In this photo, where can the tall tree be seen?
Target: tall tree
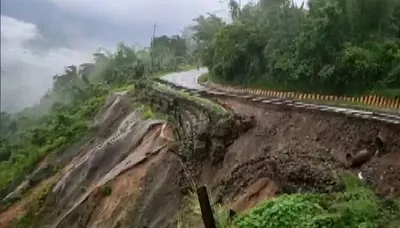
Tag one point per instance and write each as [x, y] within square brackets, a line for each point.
[332, 46]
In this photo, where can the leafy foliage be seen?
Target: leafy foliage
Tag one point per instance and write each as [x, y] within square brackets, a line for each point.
[35, 207]
[333, 46]
[35, 137]
[356, 207]
[202, 78]
[285, 211]
[204, 31]
[65, 113]
[106, 190]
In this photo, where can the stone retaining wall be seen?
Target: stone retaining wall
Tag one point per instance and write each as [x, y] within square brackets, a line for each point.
[201, 130]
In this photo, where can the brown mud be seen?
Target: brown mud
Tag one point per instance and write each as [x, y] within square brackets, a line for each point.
[307, 148]
[134, 175]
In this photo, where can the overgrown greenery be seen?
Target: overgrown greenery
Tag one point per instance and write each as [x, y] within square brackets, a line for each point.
[205, 102]
[333, 46]
[358, 206]
[26, 139]
[66, 112]
[35, 207]
[202, 78]
[329, 46]
[106, 190]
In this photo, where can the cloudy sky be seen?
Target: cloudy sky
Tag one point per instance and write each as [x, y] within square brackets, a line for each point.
[40, 37]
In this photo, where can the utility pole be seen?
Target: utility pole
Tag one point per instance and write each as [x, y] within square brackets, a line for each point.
[154, 30]
[152, 47]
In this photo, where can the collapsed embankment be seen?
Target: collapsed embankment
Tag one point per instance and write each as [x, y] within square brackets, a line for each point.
[137, 170]
[131, 173]
[301, 149]
[308, 147]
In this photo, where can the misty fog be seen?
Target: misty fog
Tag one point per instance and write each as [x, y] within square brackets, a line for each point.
[40, 37]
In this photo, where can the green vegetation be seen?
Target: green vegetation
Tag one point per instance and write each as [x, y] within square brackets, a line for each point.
[207, 103]
[222, 217]
[106, 190]
[203, 78]
[147, 112]
[191, 214]
[65, 114]
[333, 46]
[29, 138]
[358, 206]
[35, 208]
[329, 46]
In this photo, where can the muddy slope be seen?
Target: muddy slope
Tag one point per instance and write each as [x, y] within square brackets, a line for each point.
[294, 151]
[76, 195]
[131, 174]
[134, 172]
[124, 140]
[141, 166]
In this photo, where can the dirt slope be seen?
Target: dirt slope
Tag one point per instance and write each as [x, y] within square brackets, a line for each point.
[302, 151]
[127, 145]
[131, 175]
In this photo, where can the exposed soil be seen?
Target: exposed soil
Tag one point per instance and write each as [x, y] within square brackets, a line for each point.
[302, 151]
[259, 191]
[126, 187]
[100, 210]
[131, 178]
[127, 147]
[28, 202]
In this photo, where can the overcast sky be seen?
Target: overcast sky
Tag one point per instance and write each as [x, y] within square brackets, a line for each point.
[40, 37]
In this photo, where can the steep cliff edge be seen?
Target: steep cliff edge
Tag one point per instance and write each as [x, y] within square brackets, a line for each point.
[131, 172]
[152, 146]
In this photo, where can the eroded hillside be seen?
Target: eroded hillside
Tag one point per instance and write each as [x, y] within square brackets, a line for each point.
[152, 146]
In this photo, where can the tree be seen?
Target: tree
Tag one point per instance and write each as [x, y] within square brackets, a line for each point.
[204, 31]
[333, 47]
[234, 8]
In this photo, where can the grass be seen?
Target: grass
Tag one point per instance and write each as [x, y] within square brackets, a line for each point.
[191, 214]
[147, 112]
[207, 103]
[203, 78]
[221, 216]
[128, 87]
[45, 134]
[35, 208]
[357, 206]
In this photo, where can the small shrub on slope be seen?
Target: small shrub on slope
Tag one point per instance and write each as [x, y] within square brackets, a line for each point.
[285, 211]
[357, 207]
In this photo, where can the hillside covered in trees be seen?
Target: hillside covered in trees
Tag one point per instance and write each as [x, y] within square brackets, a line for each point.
[326, 46]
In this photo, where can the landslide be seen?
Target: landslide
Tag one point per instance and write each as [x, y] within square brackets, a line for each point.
[152, 148]
[304, 150]
[133, 172]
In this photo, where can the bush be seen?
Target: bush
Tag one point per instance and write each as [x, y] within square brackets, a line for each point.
[356, 207]
[37, 137]
[106, 190]
[330, 47]
[202, 78]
